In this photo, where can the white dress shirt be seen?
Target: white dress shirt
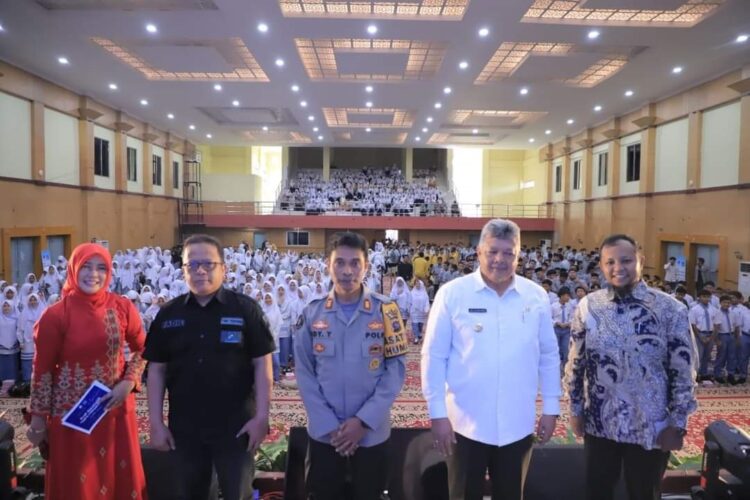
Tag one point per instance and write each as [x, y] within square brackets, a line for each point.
[485, 357]
[563, 313]
[697, 317]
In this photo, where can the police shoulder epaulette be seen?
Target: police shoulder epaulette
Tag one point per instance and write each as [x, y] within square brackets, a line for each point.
[383, 299]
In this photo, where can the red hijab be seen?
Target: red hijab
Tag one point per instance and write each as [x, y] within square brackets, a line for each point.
[82, 254]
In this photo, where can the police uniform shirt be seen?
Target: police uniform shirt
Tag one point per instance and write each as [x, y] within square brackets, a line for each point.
[209, 354]
[343, 369]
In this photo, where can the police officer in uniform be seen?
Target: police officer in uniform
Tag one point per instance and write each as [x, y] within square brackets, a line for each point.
[211, 348]
[349, 352]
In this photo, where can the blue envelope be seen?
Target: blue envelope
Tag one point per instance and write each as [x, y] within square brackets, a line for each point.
[88, 411]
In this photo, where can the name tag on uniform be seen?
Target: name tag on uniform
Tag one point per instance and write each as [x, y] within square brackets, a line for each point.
[231, 336]
[474, 310]
[173, 323]
[232, 321]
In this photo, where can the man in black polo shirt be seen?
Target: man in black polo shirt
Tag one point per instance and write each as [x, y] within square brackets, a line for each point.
[211, 348]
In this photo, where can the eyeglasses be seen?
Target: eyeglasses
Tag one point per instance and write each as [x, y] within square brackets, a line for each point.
[207, 265]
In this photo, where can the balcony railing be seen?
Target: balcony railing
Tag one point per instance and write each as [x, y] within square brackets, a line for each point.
[461, 210]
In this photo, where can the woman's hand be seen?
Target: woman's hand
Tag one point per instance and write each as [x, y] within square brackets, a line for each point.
[118, 394]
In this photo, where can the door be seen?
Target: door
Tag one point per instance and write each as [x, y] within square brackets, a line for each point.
[259, 239]
[709, 253]
[21, 258]
[56, 247]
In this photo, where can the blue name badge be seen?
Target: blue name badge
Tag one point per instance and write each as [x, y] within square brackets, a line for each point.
[231, 336]
[88, 411]
[173, 323]
[232, 321]
[477, 310]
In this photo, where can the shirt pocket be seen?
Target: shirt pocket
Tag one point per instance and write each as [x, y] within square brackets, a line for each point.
[372, 354]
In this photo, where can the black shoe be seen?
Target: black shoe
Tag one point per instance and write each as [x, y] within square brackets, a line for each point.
[720, 380]
[742, 380]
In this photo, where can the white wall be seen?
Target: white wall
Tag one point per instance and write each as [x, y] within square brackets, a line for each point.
[107, 135]
[671, 156]
[137, 144]
[576, 194]
[598, 191]
[156, 150]
[629, 187]
[15, 137]
[230, 187]
[61, 155]
[720, 147]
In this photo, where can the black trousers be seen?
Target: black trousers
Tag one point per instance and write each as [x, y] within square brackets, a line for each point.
[228, 456]
[605, 459]
[327, 473]
[507, 467]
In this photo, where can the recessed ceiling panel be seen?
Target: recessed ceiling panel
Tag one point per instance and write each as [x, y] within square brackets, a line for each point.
[233, 51]
[368, 117]
[251, 116]
[493, 118]
[688, 13]
[354, 62]
[177, 58]
[439, 10]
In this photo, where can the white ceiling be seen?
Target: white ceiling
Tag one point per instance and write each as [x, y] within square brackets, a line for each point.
[198, 36]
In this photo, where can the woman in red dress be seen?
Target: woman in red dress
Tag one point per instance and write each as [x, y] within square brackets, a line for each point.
[78, 340]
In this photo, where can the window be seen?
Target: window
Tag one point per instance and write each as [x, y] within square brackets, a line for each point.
[156, 172]
[132, 164]
[558, 178]
[603, 159]
[101, 157]
[298, 238]
[176, 174]
[634, 163]
[576, 174]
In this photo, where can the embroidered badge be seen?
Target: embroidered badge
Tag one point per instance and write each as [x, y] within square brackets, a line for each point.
[375, 349]
[374, 363]
[329, 303]
[319, 347]
[395, 340]
[375, 325]
[229, 321]
[367, 305]
[320, 324]
[477, 310]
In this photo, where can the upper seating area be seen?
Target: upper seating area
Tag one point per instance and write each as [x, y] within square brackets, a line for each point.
[368, 191]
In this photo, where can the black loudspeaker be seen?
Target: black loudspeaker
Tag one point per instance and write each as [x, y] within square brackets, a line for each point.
[8, 479]
[417, 472]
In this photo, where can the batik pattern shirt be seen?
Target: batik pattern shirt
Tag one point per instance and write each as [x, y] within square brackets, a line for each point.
[630, 370]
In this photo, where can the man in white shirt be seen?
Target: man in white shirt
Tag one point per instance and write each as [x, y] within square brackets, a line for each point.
[562, 314]
[489, 349]
[670, 273]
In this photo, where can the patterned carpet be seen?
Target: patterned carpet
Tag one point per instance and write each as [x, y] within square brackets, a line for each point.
[729, 403]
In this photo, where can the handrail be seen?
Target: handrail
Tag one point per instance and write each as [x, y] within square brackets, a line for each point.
[464, 210]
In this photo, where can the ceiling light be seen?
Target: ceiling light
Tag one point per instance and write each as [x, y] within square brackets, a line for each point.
[235, 103]
[597, 108]
[417, 138]
[112, 86]
[320, 137]
[1, 28]
[593, 34]
[531, 139]
[368, 129]
[311, 118]
[547, 132]
[208, 136]
[438, 105]
[262, 27]
[265, 128]
[63, 60]
[483, 32]
[295, 88]
[629, 93]
[742, 38]
[524, 90]
[424, 130]
[191, 127]
[463, 64]
[570, 121]
[447, 90]
[303, 104]
[369, 89]
[475, 131]
[368, 104]
[429, 119]
[151, 28]
[217, 87]
[315, 129]
[279, 62]
[372, 29]
[170, 116]
[144, 102]
[677, 70]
